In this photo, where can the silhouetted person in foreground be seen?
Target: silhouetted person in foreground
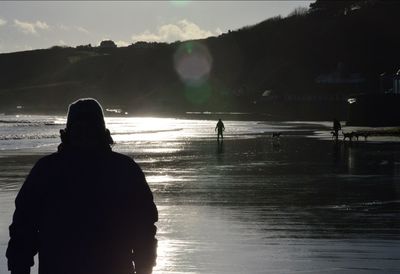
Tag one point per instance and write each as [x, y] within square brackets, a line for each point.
[220, 127]
[336, 128]
[84, 209]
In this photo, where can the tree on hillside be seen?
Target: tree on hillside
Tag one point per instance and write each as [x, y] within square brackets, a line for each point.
[340, 7]
[299, 11]
[84, 47]
[107, 44]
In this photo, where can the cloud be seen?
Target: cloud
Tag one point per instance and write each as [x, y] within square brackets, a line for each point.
[41, 25]
[121, 43]
[73, 28]
[64, 27]
[31, 28]
[2, 22]
[81, 29]
[182, 30]
[25, 27]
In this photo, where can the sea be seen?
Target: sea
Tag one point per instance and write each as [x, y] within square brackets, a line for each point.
[300, 203]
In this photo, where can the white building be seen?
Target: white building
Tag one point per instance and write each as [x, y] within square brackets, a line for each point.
[396, 83]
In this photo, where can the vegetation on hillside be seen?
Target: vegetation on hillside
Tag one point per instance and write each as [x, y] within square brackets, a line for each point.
[308, 62]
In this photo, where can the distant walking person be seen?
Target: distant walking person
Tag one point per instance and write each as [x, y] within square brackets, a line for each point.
[85, 209]
[336, 128]
[220, 127]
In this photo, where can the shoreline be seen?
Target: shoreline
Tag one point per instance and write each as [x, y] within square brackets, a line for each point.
[262, 200]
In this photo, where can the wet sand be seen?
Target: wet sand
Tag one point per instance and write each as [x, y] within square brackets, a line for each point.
[254, 205]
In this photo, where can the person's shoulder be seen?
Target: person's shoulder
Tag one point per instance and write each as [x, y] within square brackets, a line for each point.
[47, 162]
[120, 157]
[47, 159]
[125, 164]
[123, 159]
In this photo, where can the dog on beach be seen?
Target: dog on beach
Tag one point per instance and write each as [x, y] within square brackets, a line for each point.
[361, 134]
[353, 134]
[348, 135]
[276, 135]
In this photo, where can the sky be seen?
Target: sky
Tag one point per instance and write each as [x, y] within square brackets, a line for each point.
[27, 25]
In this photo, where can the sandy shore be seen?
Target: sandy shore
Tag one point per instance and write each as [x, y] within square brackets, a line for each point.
[254, 205]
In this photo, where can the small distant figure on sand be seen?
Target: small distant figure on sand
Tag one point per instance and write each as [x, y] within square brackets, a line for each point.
[336, 128]
[84, 209]
[276, 141]
[276, 135]
[221, 128]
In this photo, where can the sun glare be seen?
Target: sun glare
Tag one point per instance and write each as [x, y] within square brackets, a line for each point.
[166, 249]
[155, 123]
[180, 3]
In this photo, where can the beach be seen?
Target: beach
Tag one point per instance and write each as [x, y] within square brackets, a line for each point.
[251, 204]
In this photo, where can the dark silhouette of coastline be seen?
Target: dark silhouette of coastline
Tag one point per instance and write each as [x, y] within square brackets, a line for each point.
[341, 47]
[85, 209]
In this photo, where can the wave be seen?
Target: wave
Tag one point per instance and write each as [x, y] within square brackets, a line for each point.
[362, 205]
[28, 123]
[29, 136]
[377, 203]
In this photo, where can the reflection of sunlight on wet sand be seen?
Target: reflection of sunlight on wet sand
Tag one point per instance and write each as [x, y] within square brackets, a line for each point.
[132, 131]
[153, 160]
[149, 129]
[160, 179]
[153, 136]
[151, 147]
[168, 248]
[161, 150]
[164, 183]
[141, 122]
[166, 251]
[241, 211]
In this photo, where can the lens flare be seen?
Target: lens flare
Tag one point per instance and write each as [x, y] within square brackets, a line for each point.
[179, 3]
[199, 94]
[193, 63]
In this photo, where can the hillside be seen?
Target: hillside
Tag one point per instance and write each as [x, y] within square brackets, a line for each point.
[308, 63]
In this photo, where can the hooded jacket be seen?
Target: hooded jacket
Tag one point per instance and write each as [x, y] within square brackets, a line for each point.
[84, 212]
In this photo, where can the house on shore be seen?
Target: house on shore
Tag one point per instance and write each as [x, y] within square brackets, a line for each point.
[377, 109]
